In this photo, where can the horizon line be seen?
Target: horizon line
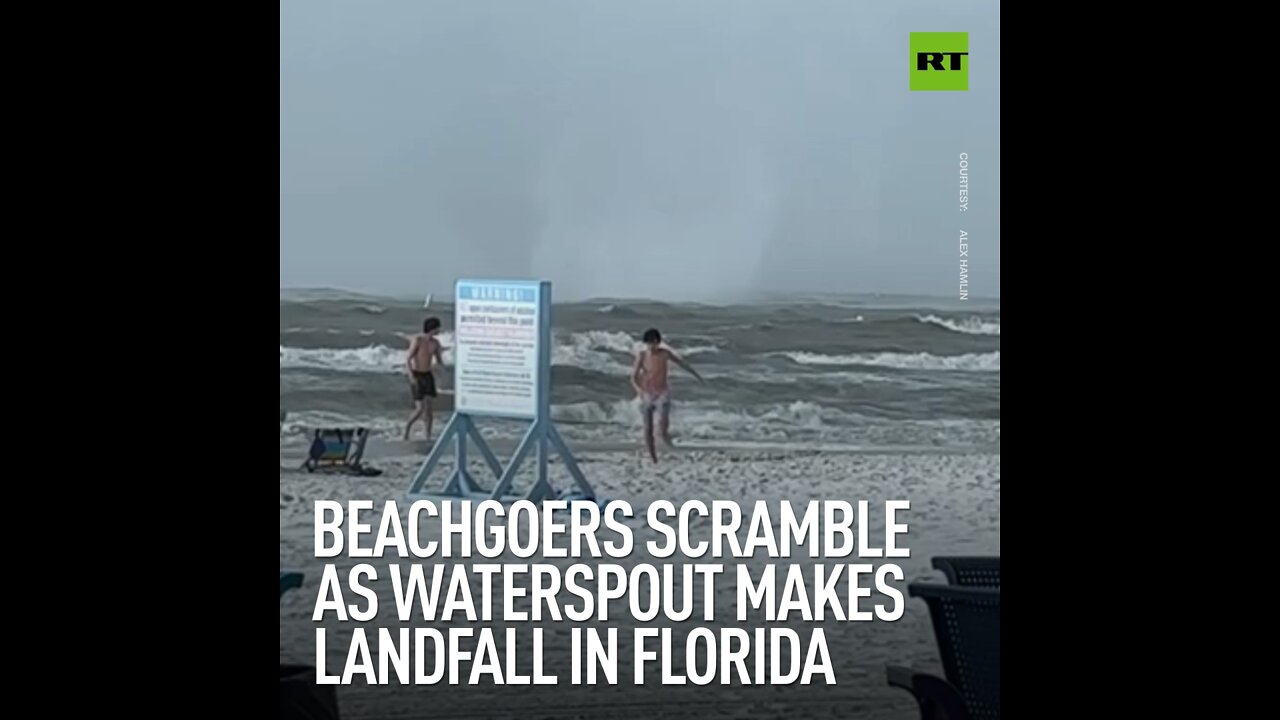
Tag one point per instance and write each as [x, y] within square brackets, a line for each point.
[447, 295]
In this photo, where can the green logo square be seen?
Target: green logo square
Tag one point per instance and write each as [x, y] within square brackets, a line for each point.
[940, 61]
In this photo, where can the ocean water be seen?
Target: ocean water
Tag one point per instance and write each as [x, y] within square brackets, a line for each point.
[858, 370]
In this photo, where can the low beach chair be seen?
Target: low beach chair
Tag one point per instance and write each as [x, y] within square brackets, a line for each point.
[289, 581]
[302, 699]
[970, 571]
[339, 450]
[966, 626]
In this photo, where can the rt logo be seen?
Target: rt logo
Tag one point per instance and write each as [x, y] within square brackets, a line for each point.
[939, 61]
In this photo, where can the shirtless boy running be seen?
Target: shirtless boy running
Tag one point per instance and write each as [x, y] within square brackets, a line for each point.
[424, 354]
[649, 378]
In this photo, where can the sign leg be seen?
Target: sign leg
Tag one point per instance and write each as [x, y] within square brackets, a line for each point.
[541, 489]
[433, 459]
[570, 463]
[509, 475]
[489, 458]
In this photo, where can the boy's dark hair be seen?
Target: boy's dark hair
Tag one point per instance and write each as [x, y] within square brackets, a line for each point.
[431, 323]
[652, 336]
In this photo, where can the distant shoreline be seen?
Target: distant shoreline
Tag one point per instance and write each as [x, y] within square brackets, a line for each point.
[445, 296]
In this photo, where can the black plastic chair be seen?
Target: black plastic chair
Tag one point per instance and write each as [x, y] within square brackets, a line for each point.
[966, 625]
[971, 571]
[289, 581]
[300, 697]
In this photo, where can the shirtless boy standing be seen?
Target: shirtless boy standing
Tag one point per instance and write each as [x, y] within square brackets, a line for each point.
[424, 353]
[649, 378]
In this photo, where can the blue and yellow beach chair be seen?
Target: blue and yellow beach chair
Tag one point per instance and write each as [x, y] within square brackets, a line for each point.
[339, 450]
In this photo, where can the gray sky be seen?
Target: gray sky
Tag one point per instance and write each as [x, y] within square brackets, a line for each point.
[678, 149]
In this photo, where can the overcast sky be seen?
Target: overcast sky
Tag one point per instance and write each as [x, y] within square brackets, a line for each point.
[676, 149]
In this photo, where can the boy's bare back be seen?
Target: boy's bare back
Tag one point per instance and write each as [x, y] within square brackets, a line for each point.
[422, 353]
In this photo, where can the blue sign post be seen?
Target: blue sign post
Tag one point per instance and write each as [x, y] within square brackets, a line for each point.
[502, 330]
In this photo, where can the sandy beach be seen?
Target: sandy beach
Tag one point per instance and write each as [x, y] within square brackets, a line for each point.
[954, 511]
